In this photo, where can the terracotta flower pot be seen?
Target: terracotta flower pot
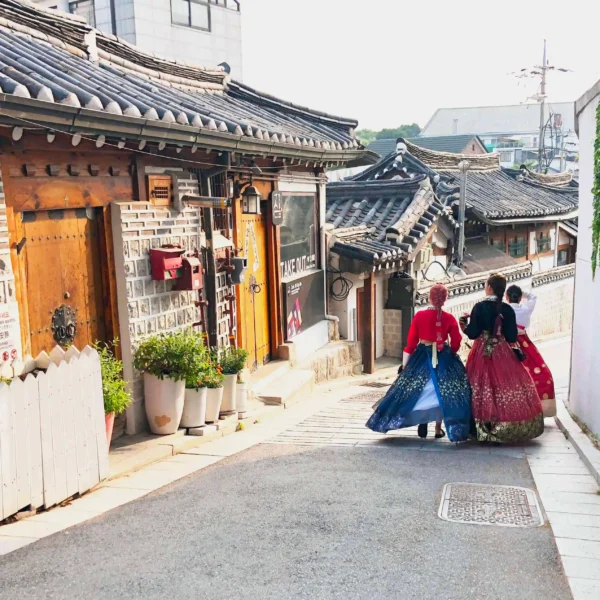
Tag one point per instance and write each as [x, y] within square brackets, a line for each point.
[229, 390]
[163, 399]
[109, 421]
[194, 408]
[214, 397]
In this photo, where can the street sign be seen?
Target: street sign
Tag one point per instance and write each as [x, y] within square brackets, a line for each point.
[277, 204]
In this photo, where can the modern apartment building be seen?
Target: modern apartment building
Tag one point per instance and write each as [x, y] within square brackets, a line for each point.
[199, 32]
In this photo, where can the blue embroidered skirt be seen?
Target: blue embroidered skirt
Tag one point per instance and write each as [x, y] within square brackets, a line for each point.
[408, 401]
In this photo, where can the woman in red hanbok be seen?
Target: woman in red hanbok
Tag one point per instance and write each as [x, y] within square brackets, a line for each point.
[523, 305]
[505, 404]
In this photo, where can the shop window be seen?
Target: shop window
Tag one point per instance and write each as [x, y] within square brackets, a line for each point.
[517, 247]
[298, 234]
[544, 242]
[191, 13]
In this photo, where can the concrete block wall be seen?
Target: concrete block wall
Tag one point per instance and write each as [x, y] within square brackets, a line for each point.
[392, 333]
[553, 313]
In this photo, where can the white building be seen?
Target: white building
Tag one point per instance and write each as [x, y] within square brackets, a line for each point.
[199, 32]
[513, 131]
[585, 391]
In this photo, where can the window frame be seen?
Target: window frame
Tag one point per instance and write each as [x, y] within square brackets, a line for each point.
[73, 5]
[515, 242]
[189, 25]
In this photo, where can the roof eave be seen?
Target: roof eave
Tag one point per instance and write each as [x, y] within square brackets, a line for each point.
[581, 104]
[18, 111]
[540, 219]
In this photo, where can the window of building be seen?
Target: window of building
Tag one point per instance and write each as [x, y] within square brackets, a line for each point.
[85, 9]
[298, 235]
[563, 258]
[499, 243]
[506, 157]
[544, 242]
[191, 13]
[517, 246]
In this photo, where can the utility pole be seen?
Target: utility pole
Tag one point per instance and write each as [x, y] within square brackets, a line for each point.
[543, 69]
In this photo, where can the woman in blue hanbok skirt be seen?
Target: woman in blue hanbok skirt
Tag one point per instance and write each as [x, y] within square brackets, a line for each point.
[433, 385]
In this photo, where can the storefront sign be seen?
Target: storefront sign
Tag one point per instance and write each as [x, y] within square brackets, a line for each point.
[277, 208]
[10, 333]
[298, 265]
[304, 303]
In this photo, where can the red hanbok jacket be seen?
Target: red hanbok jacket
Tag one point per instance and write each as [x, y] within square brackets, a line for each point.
[423, 327]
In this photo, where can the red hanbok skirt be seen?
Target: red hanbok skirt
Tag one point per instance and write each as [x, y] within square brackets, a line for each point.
[506, 405]
[540, 373]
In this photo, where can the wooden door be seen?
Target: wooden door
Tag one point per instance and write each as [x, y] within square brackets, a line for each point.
[254, 292]
[360, 298]
[63, 267]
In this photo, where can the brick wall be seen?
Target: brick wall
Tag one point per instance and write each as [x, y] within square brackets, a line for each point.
[392, 333]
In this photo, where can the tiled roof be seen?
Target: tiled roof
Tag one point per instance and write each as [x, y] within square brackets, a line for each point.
[454, 144]
[58, 59]
[372, 218]
[493, 192]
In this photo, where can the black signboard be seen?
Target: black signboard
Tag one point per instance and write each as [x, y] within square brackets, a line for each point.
[277, 207]
[304, 300]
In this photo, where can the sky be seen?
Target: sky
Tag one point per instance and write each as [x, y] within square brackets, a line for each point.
[389, 62]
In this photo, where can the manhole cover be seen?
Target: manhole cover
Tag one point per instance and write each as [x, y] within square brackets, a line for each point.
[501, 505]
[376, 384]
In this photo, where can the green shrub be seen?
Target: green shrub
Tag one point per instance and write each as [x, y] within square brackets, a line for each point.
[181, 356]
[213, 377]
[114, 387]
[233, 360]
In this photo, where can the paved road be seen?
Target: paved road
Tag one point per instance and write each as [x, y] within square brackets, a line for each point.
[325, 510]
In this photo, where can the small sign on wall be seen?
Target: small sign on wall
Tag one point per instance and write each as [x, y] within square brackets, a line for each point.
[10, 332]
[277, 208]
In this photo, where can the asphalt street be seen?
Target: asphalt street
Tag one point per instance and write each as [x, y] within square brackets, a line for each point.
[308, 516]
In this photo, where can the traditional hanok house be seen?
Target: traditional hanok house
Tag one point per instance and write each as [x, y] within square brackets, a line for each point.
[379, 237]
[107, 152]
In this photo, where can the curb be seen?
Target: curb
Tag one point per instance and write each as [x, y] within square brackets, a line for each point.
[588, 453]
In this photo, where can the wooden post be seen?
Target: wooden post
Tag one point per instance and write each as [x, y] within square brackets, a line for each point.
[210, 281]
[368, 320]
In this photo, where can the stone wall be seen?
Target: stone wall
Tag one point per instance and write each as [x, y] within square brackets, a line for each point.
[392, 333]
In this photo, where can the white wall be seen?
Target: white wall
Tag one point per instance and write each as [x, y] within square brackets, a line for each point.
[585, 393]
[346, 310]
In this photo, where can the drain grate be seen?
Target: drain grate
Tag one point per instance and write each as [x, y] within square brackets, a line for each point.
[501, 505]
[375, 384]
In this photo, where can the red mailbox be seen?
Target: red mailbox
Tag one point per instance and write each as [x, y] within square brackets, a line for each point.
[191, 274]
[166, 263]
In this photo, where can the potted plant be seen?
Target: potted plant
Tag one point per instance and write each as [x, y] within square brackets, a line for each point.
[213, 380]
[167, 361]
[233, 361]
[194, 406]
[114, 388]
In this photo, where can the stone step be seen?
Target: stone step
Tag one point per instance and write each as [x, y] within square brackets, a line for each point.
[265, 376]
[297, 385]
[335, 360]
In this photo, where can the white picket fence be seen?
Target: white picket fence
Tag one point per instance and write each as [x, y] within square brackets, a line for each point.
[52, 433]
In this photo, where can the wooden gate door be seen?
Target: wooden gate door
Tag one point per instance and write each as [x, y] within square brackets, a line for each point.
[254, 292]
[63, 267]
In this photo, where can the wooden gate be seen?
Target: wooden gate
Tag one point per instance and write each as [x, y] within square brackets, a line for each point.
[254, 292]
[63, 267]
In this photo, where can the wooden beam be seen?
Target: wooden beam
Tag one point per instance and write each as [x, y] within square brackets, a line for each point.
[368, 321]
[210, 281]
[140, 177]
[275, 290]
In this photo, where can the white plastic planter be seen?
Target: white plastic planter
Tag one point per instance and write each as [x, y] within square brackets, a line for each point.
[164, 400]
[194, 408]
[241, 398]
[214, 398]
[229, 389]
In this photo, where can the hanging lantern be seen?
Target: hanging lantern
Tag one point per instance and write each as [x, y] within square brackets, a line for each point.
[251, 201]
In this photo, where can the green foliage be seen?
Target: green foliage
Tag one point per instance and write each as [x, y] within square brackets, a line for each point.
[596, 201]
[213, 377]
[366, 136]
[114, 387]
[180, 356]
[233, 360]
[405, 131]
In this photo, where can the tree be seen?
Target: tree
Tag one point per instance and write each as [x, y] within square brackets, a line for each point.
[366, 136]
[405, 131]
